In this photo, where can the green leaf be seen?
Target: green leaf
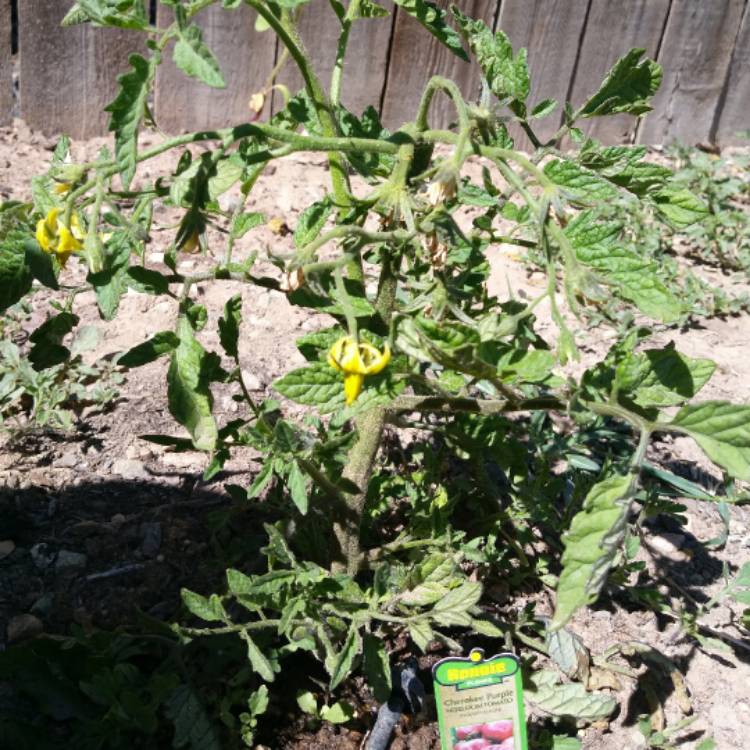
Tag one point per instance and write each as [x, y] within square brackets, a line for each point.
[159, 344]
[627, 87]
[344, 661]
[662, 377]
[307, 702]
[591, 543]
[579, 183]
[15, 277]
[317, 384]
[47, 350]
[567, 651]
[507, 76]
[229, 326]
[433, 19]
[124, 14]
[635, 277]
[147, 280]
[544, 108]
[192, 725]
[128, 110]
[39, 263]
[369, 9]
[244, 222]
[377, 667]
[195, 59]
[297, 483]
[570, 699]
[453, 608]
[311, 222]
[188, 392]
[258, 660]
[722, 430]
[680, 207]
[338, 713]
[112, 281]
[422, 634]
[209, 609]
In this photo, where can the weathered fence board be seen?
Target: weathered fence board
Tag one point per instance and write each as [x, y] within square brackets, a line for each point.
[6, 65]
[551, 31]
[610, 33]
[734, 115]
[69, 75]
[695, 54]
[246, 58]
[416, 56]
[366, 62]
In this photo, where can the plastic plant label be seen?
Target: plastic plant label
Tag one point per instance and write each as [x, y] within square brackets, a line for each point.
[480, 702]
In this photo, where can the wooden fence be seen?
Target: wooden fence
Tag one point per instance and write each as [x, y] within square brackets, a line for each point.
[66, 76]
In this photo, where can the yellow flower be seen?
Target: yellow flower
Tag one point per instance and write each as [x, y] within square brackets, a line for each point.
[355, 361]
[57, 239]
[62, 187]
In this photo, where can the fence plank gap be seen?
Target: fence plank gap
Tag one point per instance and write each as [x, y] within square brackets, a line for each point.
[68, 96]
[695, 54]
[364, 69]
[637, 23]
[733, 117]
[545, 28]
[6, 64]
[417, 56]
[245, 57]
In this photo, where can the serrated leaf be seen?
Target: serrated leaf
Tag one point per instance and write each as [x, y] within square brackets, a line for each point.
[570, 699]
[317, 384]
[229, 326]
[579, 183]
[453, 608]
[567, 651]
[193, 727]
[662, 377]
[258, 660]
[722, 430]
[112, 281]
[127, 112]
[207, 608]
[627, 87]
[591, 543]
[193, 57]
[635, 277]
[344, 660]
[544, 108]
[370, 9]
[297, 483]
[680, 207]
[424, 594]
[422, 634]
[507, 76]
[377, 667]
[188, 391]
[15, 277]
[433, 19]
[486, 628]
[311, 222]
[244, 222]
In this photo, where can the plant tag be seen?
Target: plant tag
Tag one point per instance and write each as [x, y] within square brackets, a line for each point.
[480, 702]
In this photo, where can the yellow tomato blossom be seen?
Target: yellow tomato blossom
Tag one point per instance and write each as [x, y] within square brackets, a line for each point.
[355, 361]
[57, 239]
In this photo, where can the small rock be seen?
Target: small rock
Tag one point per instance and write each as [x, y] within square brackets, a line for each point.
[151, 533]
[23, 627]
[252, 382]
[668, 545]
[68, 561]
[42, 555]
[6, 548]
[129, 468]
[43, 605]
[68, 460]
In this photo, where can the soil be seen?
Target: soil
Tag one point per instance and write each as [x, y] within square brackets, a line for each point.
[98, 522]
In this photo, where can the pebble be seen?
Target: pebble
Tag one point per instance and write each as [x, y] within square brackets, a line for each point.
[42, 555]
[68, 460]
[151, 533]
[129, 468]
[668, 545]
[23, 627]
[252, 381]
[43, 605]
[68, 561]
[6, 548]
